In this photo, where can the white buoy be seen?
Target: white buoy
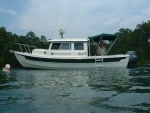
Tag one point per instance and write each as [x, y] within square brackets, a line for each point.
[6, 68]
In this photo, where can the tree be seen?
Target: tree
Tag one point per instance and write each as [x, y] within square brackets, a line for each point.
[122, 44]
[142, 34]
[31, 35]
[43, 38]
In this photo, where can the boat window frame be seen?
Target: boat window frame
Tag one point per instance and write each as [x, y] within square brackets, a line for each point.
[60, 46]
[55, 46]
[78, 46]
[68, 48]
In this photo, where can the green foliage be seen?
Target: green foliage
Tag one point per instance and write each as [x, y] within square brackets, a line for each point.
[136, 40]
[7, 43]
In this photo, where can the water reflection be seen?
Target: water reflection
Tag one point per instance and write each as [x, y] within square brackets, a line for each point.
[139, 80]
[110, 79]
[132, 92]
[85, 91]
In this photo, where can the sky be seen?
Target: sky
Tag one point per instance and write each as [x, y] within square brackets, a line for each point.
[79, 18]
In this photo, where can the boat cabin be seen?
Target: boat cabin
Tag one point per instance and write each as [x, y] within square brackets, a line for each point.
[65, 48]
[73, 47]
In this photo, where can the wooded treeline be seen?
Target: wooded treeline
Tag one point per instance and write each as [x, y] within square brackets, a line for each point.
[7, 43]
[136, 40]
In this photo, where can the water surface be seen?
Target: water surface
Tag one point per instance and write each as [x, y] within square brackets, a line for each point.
[75, 91]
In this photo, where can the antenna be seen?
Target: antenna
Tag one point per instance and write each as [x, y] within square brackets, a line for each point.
[56, 19]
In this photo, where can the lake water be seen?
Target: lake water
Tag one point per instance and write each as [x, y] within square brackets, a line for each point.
[75, 91]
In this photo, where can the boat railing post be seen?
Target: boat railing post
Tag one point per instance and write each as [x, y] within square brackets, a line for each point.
[95, 60]
[29, 48]
[20, 47]
[102, 60]
[98, 61]
[25, 48]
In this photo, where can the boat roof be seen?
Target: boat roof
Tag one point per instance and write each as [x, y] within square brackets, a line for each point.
[103, 36]
[68, 40]
[96, 38]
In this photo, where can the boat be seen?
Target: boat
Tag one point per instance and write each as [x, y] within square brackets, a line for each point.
[70, 53]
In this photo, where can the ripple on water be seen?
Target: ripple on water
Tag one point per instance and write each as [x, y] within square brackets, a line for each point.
[84, 91]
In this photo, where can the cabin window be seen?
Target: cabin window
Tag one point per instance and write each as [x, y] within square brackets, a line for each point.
[61, 46]
[78, 46]
[65, 46]
[55, 46]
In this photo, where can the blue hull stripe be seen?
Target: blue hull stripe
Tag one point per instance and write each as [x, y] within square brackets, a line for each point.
[92, 60]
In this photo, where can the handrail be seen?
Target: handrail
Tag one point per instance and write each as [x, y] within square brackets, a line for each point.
[27, 48]
[100, 60]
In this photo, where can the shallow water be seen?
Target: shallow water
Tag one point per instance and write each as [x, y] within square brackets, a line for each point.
[75, 91]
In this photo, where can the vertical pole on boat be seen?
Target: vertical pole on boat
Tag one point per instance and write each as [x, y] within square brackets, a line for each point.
[89, 48]
[25, 48]
[56, 23]
[100, 40]
[112, 45]
[20, 48]
[28, 49]
[61, 32]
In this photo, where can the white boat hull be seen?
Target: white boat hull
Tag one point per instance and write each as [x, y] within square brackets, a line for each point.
[42, 62]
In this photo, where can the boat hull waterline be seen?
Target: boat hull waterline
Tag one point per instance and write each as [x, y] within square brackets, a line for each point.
[42, 62]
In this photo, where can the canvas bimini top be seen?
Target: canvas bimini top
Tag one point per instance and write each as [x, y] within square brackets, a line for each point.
[104, 36]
